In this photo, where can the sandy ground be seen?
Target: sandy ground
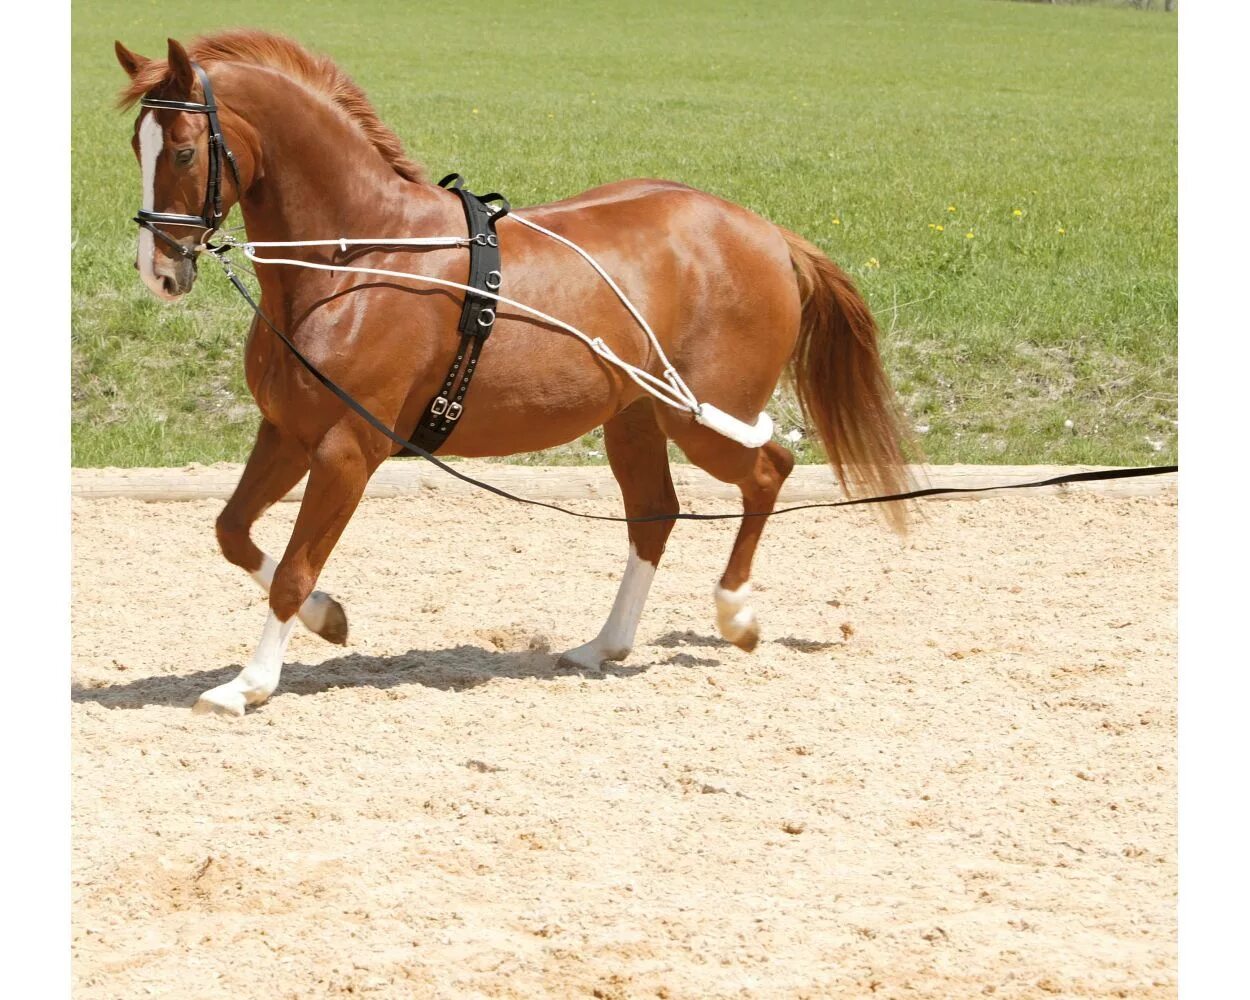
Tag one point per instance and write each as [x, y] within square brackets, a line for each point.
[948, 771]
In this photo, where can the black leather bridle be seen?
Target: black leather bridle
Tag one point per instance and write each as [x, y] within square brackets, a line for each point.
[210, 218]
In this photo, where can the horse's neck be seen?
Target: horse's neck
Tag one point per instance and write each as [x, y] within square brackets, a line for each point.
[322, 177]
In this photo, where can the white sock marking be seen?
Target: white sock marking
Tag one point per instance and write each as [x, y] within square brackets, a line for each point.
[734, 615]
[312, 612]
[616, 638]
[259, 679]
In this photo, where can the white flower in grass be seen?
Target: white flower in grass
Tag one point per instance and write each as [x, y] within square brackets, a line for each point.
[794, 436]
[922, 428]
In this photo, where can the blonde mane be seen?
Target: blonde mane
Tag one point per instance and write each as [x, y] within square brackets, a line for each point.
[317, 73]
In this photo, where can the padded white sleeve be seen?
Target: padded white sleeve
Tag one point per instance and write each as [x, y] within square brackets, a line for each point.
[745, 434]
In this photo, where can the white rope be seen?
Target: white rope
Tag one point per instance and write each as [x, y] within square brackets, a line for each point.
[390, 241]
[670, 373]
[645, 380]
[670, 389]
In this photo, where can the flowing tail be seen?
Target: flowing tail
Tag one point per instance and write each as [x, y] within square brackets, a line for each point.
[842, 388]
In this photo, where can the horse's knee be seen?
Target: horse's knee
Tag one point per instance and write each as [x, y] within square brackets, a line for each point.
[236, 543]
[292, 583]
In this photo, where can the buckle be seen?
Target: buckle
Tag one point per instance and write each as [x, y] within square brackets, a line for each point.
[439, 406]
[454, 411]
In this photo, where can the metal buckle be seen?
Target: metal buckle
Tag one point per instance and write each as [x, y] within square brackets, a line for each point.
[454, 411]
[482, 317]
[493, 280]
[439, 406]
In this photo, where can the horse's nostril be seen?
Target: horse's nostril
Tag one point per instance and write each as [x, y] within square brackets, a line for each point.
[168, 284]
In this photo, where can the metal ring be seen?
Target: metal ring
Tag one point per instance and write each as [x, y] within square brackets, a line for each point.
[494, 279]
[480, 239]
[492, 240]
[482, 317]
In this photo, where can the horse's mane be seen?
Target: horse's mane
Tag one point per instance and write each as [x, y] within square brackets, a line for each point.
[317, 73]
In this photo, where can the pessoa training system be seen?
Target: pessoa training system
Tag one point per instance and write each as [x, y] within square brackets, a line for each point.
[477, 319]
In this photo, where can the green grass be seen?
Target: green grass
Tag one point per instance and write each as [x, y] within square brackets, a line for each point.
[863, 126]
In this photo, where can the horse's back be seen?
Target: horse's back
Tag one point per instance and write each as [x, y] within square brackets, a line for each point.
[645, 203]
[725, 259]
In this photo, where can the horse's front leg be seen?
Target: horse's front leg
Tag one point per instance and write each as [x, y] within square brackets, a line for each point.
[336, 482]
[276, 464]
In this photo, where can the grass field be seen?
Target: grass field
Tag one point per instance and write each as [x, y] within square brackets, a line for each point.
[999, 177]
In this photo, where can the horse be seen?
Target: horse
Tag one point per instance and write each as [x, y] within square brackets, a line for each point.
[735, 301]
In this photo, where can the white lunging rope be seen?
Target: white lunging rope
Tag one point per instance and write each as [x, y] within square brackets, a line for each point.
[671, 389]
[670, 373]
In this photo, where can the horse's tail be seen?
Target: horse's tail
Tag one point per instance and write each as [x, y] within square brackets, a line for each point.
[842, 387]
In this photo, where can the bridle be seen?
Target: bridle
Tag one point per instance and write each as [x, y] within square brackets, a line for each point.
[210, 218]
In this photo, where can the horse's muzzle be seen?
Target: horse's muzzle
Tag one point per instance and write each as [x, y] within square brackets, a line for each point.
[172, 277]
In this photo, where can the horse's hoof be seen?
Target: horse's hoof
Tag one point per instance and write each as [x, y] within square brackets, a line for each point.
[333, 627]
[224, 700]
[589, 657]
[581, 658]
[748, 639]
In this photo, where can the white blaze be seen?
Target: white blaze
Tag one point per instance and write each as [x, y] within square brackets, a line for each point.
[151, 141]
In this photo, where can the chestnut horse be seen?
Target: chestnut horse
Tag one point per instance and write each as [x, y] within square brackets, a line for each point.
[733, 299]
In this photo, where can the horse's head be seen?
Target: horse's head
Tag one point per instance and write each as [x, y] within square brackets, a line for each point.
[189, 176]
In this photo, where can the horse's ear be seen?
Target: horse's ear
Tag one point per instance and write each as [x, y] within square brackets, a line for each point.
[181, 73]
[131, 62]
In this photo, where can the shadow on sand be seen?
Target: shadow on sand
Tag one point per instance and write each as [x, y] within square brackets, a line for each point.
[457, 669]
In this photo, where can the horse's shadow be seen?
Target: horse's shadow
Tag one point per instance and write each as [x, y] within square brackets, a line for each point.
[459, 668]
[456, 669]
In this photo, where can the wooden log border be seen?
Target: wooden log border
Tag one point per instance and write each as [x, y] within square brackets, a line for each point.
[554, 484]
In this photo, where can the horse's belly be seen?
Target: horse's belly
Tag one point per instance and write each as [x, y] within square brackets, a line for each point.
[513, 408]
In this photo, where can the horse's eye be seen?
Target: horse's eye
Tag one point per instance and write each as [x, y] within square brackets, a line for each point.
[184, 156]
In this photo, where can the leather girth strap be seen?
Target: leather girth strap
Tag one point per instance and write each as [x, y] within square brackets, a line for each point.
[477, 317]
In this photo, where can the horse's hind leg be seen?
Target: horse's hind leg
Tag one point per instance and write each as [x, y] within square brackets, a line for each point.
[275, 465]
[336, 482]
[734, 615]
[638, 452]
[759, 473]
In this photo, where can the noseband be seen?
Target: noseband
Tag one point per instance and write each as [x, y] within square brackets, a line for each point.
[210, 218]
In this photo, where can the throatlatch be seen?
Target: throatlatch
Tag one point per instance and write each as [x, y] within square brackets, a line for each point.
[477, 317]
